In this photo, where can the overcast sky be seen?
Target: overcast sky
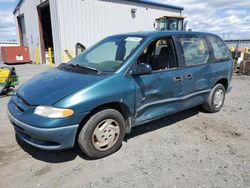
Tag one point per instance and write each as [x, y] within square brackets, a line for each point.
[7, 22]
[228, 18]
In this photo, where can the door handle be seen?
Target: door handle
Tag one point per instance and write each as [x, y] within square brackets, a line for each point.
[189, 77]
[178, 79]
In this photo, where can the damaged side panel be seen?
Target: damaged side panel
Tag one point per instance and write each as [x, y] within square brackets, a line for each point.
[157, 95]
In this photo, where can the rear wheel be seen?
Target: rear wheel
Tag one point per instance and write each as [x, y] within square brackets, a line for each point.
[103, 133]
[215, 99]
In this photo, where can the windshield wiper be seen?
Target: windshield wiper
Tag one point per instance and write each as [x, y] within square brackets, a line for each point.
[85, 67]
[90, 68]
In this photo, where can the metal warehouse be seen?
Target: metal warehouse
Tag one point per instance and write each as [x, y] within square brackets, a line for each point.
[64, 25]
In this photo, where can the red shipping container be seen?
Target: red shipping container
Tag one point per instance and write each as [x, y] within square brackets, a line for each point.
[15, 54]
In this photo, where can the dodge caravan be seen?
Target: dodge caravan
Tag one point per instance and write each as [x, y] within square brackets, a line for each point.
[123, 81]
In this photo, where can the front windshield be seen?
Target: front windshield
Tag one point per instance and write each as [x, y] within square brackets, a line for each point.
[109, 54]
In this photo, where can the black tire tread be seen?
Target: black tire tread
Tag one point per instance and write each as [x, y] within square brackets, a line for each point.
[209, 106]
[85, 135]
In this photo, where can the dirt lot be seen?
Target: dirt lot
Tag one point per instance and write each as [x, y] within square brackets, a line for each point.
[188, 149]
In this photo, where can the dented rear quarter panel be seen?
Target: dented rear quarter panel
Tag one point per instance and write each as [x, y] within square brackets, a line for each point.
[220, 70]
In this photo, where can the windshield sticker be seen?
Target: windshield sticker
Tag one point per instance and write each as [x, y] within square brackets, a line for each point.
[133, 39]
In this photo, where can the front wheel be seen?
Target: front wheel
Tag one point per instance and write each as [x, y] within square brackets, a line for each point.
[103, 133]
[215, 99]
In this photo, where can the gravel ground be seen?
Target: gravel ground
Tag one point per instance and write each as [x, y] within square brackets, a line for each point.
[188, 149]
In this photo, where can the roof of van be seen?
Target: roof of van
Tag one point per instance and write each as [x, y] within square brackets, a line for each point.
[160, 33]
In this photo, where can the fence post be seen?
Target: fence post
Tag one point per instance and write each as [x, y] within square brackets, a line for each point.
[50, 58]
[36, 56]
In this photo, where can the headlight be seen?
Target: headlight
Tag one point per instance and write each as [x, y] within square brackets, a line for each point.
[51, 112]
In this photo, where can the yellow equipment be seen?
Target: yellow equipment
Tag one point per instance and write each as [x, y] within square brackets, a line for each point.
[166, 23]
[4, 75]
[8, 80]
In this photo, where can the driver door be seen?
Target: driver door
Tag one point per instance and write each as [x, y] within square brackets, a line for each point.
[158, 93]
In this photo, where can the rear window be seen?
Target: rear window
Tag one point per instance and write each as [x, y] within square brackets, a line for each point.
[220, 49]
[195, 50]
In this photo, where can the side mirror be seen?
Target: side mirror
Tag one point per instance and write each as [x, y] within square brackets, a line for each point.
[142, 69]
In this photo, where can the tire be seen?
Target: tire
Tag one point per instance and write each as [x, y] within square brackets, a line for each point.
[106, 126]
[212, 105]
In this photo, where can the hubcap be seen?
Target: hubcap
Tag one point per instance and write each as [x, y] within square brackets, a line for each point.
[218, 98]
[106, 134]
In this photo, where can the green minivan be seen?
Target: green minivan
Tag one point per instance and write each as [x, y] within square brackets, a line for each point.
[121, 82]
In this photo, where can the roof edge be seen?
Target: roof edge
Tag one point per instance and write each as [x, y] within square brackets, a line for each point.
[18, 6]
[145, 2]
[158, 4]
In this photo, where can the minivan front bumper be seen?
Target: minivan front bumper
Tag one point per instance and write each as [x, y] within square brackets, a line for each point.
[45, 138]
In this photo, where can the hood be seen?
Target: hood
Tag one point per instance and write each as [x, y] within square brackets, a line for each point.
[49, 87]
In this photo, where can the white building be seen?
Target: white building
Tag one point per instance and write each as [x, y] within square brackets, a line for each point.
[61, 24]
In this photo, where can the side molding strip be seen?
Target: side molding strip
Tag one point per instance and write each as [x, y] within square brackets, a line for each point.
[172, 99]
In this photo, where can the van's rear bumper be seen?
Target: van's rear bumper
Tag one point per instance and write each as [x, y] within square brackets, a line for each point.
[45, 138]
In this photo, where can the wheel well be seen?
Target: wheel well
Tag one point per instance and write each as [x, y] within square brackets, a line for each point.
[120, 107]
[224, 82]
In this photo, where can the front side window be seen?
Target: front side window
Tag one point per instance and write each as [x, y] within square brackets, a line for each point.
[220, 49]
[195, 50]
[109, 54]
[160, 55]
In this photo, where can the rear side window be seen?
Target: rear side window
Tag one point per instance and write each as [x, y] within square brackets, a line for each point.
[219, 48]
[195, 50]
